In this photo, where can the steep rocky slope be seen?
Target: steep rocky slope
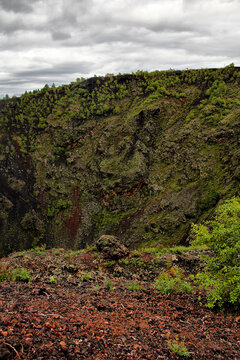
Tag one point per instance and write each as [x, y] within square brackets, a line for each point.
[139, 156]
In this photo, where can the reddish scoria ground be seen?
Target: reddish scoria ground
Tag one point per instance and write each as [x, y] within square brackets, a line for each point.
[79, 318]
[79, 322]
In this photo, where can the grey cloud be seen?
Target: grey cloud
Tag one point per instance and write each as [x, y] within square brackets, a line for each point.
[18, 6]
[69, 13]
[59, 69]
[9, 27]
[175, 27]
[120, 35]
[15, 82]
[58, 35]
[19, 81]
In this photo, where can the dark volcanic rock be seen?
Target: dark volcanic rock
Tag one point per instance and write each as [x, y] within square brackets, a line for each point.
[111, 248]
[139, 156]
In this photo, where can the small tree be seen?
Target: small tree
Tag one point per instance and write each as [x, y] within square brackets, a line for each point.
[222, 274]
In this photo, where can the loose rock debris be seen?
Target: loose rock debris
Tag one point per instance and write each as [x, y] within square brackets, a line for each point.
[68, 322]
[100, 317]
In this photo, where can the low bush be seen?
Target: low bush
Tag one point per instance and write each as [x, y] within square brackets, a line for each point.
[4, 274]
[86, 276]
[178, 347]
[20, 274]
[109, 285]
[4, 271]
[167, 284]
[221, 278]
[109, 264]
[134, 286]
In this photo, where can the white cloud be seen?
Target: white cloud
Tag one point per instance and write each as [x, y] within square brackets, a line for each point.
[56, 41]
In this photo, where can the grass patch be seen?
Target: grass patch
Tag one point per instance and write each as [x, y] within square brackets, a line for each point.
[167, 284]
[21, 274]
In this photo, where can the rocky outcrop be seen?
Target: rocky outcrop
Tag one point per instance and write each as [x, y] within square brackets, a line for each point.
[110, 247]
[139, 157]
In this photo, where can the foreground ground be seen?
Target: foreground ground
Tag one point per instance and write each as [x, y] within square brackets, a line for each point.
[76, 309]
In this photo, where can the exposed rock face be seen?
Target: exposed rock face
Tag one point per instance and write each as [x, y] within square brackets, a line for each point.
[138, 156]
[111, 248]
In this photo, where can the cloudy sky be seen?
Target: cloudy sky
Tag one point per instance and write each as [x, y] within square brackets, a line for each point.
[56, 41]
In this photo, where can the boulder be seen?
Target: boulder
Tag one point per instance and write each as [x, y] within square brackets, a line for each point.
[111, 248]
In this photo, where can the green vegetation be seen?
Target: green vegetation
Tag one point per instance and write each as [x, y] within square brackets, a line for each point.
[53, 280]
[134, 286]
[222, 235]
[56, 252]
[109, 264]
[4, 272]
[40, 250]
[168, 284]
[124, 262]
[86, 276]
[97, 287]
[20, 274]
[91, 248]
[178, 347]
[143, 154]
[109, 285]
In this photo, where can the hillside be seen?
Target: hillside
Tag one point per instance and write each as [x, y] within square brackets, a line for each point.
[139, 156]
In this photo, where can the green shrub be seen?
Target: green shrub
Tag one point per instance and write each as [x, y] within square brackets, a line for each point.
[138, 262]
[20, 254]
[96, 287]
[53, 280]
[109, 285]
[166, 284]
[21, 274]
[90, 248]
[210, 200]
[217, 90]
[134, 286]
[221, 277]
[4, 273]
[56, 252]
[178, 347]
[117, 110]
[62, 204]
[40, 250]
[177, 249]
[124, 262]
[109, 264]
[59, 151]
[86, 276]
[74, 252]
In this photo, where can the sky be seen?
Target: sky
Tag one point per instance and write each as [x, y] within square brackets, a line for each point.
[56, 41]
